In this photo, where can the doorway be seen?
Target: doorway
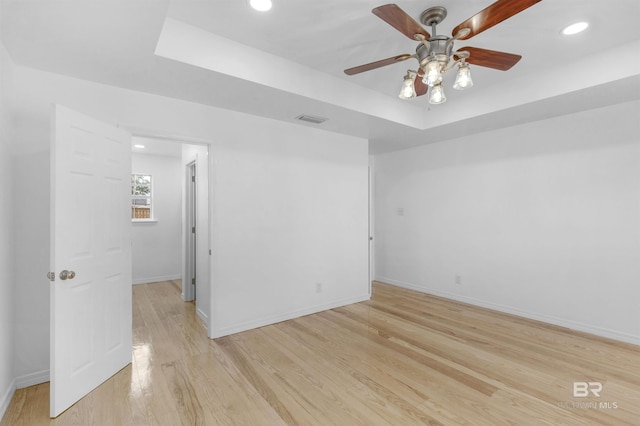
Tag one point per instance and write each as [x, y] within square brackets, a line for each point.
[99, 246]
[173, 244]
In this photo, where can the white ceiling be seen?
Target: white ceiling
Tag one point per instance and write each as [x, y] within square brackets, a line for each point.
[154, 146]
[290, 60]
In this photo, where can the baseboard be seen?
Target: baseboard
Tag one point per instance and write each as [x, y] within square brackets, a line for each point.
[156, 279]
[6, 398]
[32, 379]
[249, 325]
[202, 316]
[562, 322]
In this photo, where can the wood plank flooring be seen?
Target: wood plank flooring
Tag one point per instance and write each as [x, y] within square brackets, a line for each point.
[401, 358]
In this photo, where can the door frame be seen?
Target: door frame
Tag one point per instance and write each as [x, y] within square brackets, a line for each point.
[372, 246]
[190, 251]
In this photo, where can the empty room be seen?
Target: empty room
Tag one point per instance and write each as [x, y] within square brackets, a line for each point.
[271, 212]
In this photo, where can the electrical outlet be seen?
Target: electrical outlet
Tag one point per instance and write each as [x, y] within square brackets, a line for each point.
[318, 287]
[458, 279]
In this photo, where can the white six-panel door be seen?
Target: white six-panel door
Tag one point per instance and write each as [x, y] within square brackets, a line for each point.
[91, 239]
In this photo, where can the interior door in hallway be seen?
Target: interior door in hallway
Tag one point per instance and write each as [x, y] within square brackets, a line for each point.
[189, 288]
[90, 255]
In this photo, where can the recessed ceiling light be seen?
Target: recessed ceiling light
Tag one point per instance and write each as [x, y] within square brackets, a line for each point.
[138, 146]
[261, 5]
[575, 28]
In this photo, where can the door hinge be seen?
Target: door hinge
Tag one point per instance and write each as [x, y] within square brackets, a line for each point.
[193, 281]
[193, 178]
[193, 229]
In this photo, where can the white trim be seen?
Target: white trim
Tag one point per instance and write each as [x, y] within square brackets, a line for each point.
[210, 230]
[189, 210]
[156, 279]
[562, 322]
[6, 398]
[32, 379]
[371, 217]
[249, 325]
[202, 316]
[148, 133]
[144, 220]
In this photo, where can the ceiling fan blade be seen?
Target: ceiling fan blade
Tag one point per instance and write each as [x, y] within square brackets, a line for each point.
[420, 87]
[377, 64]
[490, 58]
[492, 15]
[398, 19]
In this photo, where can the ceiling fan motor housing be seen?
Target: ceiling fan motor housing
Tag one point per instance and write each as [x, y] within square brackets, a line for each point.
[438, 47]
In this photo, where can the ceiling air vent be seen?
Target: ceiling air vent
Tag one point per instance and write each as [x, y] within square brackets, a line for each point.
[311, 119]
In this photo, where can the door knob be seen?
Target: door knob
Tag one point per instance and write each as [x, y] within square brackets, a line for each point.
[67, 275]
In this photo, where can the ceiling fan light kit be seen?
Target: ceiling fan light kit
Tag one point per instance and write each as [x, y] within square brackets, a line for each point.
[433, 72]
[408, 89]
[436, 95]
[435, 53]
[463, 78]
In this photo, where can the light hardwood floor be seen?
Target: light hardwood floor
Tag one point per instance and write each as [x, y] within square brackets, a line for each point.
[402, 358]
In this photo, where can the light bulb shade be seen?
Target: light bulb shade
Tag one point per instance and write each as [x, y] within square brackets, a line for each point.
[463, 78]
[432, 73]
[408, 90]
[436, 95]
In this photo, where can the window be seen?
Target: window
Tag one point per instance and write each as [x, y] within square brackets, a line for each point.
[141, 197]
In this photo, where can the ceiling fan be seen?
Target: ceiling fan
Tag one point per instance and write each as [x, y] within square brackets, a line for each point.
[435, 53]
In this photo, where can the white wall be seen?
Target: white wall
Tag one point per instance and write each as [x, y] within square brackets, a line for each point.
[7, 383]
[301, 220]
[290, 211]
[31, 253]
[541, 220]
[157, 249]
